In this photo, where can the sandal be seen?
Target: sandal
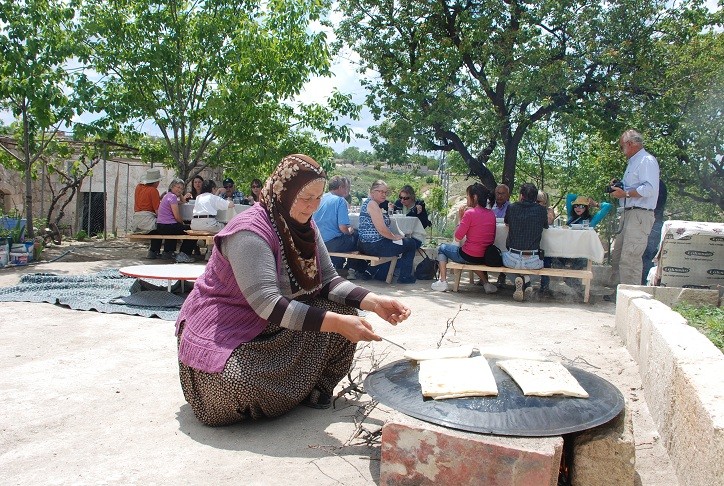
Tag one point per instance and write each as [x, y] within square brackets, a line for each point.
[318, 399]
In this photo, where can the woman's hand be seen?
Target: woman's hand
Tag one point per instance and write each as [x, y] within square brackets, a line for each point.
[391, 310]
[354, 328]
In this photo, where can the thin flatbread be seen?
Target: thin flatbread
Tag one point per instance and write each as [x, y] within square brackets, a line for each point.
[442, 353]
[543, 378]
[457, 377]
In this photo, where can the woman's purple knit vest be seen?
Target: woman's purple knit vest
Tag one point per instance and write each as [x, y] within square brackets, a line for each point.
[216, 314]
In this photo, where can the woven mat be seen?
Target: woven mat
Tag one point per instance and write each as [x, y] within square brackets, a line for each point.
[107, 291]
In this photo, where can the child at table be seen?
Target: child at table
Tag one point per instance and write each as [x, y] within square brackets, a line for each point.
[578, 213]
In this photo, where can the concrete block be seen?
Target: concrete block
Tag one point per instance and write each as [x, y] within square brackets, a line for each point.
[656, 360]
[416, 452]
[673, 295]
[605, 455]
[628, 316]
[681, 374]
[691, 423]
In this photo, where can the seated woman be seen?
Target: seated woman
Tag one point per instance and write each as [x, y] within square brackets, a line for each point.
[477, 228]
[196, 184]
[254, 194]
[578, 213]
[169, 222]
[376, 238]
[411, 206]
[206, 207]
[270, 324]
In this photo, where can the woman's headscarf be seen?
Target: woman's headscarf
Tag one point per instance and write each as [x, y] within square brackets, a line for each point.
[298, 240]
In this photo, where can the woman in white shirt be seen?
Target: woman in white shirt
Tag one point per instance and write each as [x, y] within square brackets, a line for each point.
[205, 208]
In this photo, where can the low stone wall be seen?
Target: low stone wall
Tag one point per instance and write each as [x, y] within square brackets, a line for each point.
[682, 375]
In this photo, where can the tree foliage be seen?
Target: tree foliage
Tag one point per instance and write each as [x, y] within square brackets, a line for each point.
[686, 114]
[217, 78]
[473, 77]
[36, 84]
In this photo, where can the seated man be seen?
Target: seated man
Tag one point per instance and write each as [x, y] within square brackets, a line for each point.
[526, 220]
[230, 193]
[332, 219]
[502, 202]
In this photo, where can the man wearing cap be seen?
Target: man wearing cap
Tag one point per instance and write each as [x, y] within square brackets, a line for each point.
[637, 201]
[145, 208]
[526, 220]
[229, 193]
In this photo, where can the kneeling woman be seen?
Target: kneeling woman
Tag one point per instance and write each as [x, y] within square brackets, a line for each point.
[377, 239]
[205, 209]
[270, 324]
[477, 228]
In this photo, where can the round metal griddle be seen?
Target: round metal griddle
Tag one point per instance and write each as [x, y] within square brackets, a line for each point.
[510, 413]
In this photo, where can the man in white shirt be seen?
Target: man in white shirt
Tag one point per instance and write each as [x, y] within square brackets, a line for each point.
[637, 201]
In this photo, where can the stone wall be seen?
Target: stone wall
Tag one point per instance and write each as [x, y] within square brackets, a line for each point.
[681, 372]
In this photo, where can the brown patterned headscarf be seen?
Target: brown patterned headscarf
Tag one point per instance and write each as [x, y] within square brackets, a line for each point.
[298, 240]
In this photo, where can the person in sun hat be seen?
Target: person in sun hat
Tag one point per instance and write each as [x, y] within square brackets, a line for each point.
[145, 209]
[230, 193]
[579, 212]
[578, 208]
[270, 325]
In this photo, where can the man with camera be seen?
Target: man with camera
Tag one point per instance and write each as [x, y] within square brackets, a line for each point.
[637, 193]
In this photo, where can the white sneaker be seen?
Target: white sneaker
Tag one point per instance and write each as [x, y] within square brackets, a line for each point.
[351, 274]
[518, 294]
[490, 288]
[440, 286]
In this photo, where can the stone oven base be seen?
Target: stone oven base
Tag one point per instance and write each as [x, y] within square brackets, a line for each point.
[417, 452]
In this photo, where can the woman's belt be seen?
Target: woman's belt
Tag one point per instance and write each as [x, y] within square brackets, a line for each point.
[204, 216]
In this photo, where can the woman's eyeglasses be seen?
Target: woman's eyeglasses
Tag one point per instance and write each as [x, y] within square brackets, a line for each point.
[254, 186]
[382, 191]
[404, 198]
[579, 206]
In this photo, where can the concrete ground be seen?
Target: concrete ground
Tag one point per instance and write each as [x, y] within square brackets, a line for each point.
[95, 398]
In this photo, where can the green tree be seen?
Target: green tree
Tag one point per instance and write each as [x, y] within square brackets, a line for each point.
[473, 77]
[684, 115]
[36, 83]
[217, 78]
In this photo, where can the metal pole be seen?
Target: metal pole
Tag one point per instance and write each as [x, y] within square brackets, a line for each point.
[90, 196]
[105, 193]
[128, 181]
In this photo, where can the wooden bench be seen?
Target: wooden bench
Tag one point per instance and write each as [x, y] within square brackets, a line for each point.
[585, 275]
[374, 261]
[207, 237]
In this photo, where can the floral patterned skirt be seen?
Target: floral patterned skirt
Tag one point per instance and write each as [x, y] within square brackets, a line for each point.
[270, 375]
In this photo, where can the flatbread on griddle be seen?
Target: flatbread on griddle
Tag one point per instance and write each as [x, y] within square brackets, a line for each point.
[456, 377]
[543, 378]
[442, 353]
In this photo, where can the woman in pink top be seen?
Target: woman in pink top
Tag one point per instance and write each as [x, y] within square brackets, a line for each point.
[477, 228]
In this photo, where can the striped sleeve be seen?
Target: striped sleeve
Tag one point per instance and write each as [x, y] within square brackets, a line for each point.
[254, 267]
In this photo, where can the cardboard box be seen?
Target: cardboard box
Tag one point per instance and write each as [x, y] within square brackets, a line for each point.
[691, 255]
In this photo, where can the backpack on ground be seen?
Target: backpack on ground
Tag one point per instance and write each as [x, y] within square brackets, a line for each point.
[427, 268]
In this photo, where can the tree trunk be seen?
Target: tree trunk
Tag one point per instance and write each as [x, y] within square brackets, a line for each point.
[29, 233]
